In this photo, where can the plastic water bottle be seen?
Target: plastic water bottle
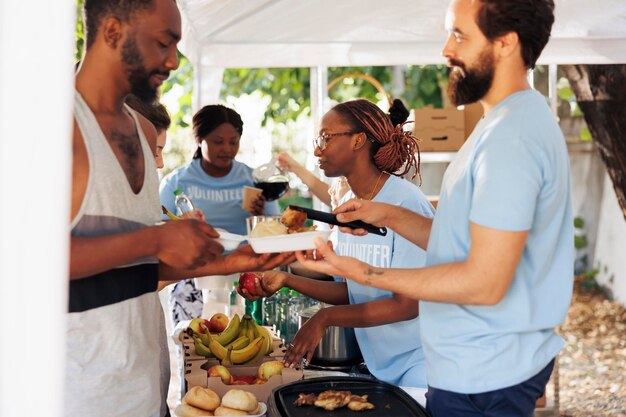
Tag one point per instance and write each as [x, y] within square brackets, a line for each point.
[183, 202]
[255, 309]
[281, 312]
[269, 310]
[236, 301]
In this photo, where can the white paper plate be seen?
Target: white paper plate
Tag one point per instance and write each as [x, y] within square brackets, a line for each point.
[287, 243]
[263, 408]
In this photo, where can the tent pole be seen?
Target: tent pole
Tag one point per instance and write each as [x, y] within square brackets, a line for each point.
[319, 100]
[552, 93]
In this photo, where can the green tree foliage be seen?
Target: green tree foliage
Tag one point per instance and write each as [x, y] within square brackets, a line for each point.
[80, 31]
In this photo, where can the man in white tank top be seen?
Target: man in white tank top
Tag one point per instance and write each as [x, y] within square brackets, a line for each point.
[115, 325]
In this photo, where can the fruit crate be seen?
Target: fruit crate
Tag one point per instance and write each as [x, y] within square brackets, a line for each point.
[195, 375]
[189, 351]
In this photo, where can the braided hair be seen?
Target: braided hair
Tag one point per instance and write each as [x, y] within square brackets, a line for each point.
[394, 150]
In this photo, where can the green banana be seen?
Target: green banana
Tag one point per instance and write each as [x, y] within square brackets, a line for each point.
[237, 356]
[251, 324]
[230, 332]
[267, 339]
[258, 357]
[201, 349]
[247, 353]
[227, 361]
[239, 343]
[243, 329]
[217, 349]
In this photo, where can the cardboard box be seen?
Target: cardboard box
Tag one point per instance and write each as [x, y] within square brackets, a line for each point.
[445, 130]
[194, 375]
[439, 129]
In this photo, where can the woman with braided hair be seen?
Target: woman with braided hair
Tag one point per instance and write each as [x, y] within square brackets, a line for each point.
[359, 141]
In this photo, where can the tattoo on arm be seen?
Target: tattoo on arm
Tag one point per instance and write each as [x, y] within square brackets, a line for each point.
[371, 271]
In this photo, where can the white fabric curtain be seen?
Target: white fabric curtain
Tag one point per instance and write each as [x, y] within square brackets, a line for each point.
[36, 85]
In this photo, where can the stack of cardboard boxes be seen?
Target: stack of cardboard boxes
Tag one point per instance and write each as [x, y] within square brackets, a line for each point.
[445, 130]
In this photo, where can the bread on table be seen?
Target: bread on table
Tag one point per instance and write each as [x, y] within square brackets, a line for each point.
[186, 410]
[240, 400]
[203, 398]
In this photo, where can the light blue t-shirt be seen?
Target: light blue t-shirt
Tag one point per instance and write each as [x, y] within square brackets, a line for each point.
[218, 198]
[512, 174]
[393, 352]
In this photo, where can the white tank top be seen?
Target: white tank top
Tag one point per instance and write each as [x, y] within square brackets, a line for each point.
[116, 341]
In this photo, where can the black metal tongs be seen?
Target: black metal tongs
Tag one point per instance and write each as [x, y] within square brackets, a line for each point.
[332, 219]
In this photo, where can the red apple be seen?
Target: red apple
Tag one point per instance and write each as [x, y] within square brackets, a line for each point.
[246, 280]
[199, 325]
[218, 321]
[237, 380]
[248, 379]
[221, 372]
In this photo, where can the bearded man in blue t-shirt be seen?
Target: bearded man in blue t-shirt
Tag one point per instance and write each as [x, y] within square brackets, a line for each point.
[499, 271]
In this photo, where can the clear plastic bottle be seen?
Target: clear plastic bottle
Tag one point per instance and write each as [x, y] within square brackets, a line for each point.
[236, 301]
[269, 310]
[183, 203]
[255, 309]
[281, 312]
[293, 313]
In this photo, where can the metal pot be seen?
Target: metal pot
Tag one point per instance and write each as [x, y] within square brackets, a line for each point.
[338, 346]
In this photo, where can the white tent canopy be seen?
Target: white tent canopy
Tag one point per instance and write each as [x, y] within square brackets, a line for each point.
[290, 33]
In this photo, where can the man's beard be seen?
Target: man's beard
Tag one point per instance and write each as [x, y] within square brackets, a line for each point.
[470, 85]
[138, 75]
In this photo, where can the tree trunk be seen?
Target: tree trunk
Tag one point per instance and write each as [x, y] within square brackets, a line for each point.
[601, 93]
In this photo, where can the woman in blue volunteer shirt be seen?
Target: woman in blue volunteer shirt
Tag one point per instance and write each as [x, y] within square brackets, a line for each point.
[357, 140]
[214, 182]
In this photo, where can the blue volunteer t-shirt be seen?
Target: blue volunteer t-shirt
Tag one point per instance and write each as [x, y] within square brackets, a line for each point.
[512, 174]
[392, 352]
[218, 198]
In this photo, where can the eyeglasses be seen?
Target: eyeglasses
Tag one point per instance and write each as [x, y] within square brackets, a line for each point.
[321, 141]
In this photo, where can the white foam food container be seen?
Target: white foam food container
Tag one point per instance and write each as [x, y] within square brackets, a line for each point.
[287, 243]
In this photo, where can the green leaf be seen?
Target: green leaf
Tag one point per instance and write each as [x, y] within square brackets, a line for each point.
[580, 242]
[585, 134]
[579, 222]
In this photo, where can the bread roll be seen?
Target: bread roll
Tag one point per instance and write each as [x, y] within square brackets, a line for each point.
[203, 398]
[240, 400]
[268, 228]
[186, 410]
[225, 411]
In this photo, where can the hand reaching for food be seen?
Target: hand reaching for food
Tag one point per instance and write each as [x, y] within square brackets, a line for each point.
[305, 342]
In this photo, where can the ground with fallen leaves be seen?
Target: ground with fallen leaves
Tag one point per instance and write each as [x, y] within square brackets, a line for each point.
[592, 366]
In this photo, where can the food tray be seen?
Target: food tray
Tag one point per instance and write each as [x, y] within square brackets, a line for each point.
[287, 243]
[389, 400]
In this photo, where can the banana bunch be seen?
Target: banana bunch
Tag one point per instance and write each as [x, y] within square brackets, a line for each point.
[242, 342]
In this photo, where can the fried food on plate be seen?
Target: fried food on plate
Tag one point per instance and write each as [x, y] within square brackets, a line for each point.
[359, 403]
[294, 221]
[331, 400]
